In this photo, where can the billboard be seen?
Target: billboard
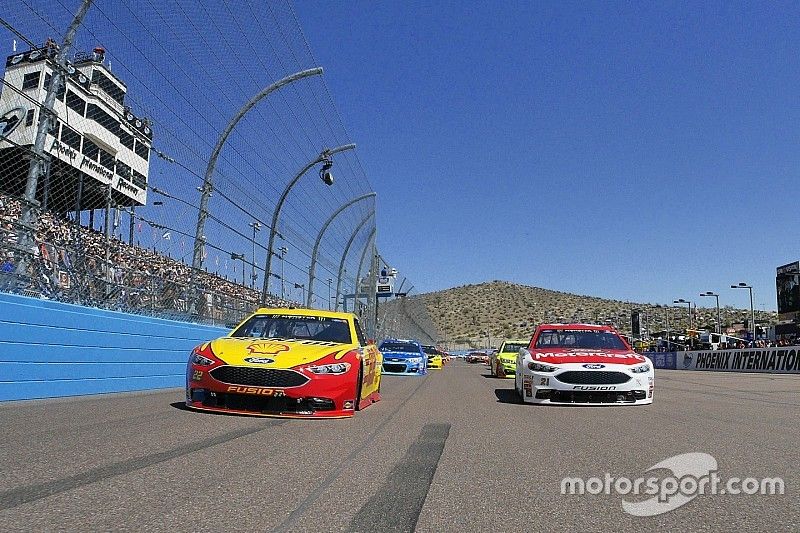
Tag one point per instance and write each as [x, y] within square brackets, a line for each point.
[787, 285]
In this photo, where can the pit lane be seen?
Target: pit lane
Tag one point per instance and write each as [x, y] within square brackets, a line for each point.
[444, 452]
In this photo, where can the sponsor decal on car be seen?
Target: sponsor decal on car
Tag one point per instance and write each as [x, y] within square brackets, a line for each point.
[259, 360]
[558, 355]
[594, 387]
[267, 348]
[594, 366]
[259, 391]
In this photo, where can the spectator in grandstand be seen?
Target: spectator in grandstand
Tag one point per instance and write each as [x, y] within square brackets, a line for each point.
[69, 256]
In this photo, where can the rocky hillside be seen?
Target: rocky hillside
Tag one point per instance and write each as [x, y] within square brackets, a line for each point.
[463, 315]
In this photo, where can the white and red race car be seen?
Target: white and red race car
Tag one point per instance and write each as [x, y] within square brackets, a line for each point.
[582, 364]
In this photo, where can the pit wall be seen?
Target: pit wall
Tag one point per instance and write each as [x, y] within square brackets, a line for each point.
[50, 349]
[782, 360]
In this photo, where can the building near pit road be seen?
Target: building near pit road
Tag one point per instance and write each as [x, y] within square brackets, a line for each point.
[97, 142]
[787, 286]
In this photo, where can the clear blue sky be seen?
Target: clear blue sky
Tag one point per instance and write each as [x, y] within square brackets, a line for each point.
[641, 152]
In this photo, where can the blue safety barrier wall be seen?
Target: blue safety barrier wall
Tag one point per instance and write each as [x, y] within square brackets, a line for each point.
[667, 360]
[50, 349]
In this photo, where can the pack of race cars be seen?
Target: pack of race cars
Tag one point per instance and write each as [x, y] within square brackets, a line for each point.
[306, 363]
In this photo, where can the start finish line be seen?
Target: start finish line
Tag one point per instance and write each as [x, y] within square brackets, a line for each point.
[784, 360]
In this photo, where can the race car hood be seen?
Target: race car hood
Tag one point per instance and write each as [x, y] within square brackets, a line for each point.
[275, 353]
[507, 357]
[400, 355]
[558, 356]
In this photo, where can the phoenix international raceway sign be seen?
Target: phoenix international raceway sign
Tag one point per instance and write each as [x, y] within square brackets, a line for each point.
[784, 360]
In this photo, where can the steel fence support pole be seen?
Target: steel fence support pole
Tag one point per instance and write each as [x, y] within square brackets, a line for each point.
[315, 252]
[344, 257]
[207, 187]
[370, 244]
[40, 162]
[323, 156]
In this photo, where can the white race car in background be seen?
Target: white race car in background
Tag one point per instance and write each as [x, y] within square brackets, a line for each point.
[582, 364]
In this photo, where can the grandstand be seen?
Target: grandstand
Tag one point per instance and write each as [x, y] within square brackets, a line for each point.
[77, 264]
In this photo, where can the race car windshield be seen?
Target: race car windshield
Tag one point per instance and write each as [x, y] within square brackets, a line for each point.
[513, 348]
[295, 327]
[582, 339]
[399, 347]
[430, 350]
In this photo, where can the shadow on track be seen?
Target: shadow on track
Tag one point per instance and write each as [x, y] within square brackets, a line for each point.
[181, 406]
[506, 396]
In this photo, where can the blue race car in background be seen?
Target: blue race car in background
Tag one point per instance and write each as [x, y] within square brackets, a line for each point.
[403, 357]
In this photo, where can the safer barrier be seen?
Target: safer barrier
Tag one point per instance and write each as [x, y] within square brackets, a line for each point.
[784, 360]
[665, 360]
[50, 349]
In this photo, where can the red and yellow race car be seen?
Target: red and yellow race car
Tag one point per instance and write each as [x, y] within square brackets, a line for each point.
[297, 363]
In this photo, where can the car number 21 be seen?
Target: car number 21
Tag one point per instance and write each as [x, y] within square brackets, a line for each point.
[544, 381]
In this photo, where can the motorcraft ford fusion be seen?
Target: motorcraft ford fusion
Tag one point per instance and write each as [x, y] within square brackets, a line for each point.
[403, 357]
[504, 363]
[293, 363]
[582, 364]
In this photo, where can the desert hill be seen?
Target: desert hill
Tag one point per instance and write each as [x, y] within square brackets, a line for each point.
[462, 316]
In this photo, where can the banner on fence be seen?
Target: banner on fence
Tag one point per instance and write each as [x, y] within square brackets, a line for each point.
[771, 360]
[665, 360]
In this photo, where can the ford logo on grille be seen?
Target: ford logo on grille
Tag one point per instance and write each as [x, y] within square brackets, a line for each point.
[259, 360]
[594, 366]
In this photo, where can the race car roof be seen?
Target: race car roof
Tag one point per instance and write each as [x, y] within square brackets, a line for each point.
[597, 327]
[303, 312]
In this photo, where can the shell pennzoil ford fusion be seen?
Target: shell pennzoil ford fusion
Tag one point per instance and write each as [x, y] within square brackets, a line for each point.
[582, 364]
[298, 363]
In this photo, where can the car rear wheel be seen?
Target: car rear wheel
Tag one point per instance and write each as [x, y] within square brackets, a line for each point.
[359, 384]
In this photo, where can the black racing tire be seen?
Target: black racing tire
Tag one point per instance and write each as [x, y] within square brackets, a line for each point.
[359, 384]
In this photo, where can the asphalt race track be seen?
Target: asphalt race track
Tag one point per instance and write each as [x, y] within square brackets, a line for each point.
[447, 452]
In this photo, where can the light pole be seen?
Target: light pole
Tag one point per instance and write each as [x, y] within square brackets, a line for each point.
[743, 285]
[330, 281]
[715, 295]
[207, 187]
[256, 227]
[689, 304]
[240, 257]
[666, 322]
[344, 256]
[315, 252]
[325, 158]
[283, 250]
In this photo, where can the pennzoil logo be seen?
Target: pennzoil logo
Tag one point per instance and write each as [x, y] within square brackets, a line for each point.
[256, 390]
[267, 348]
